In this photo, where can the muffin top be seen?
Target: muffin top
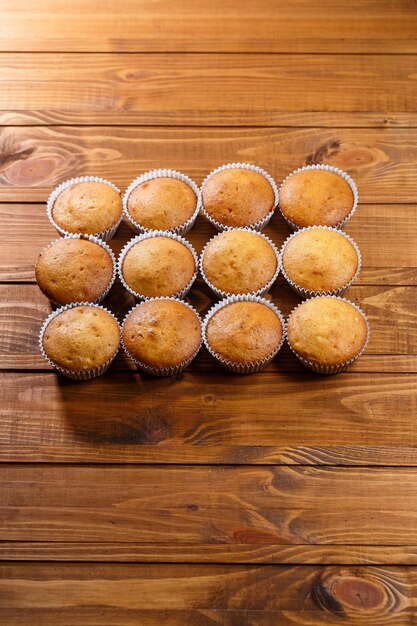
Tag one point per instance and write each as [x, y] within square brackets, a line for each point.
[87, 208]
[158, 266]
[162, 203]
[315, 198]
[74, 270]
[238, 197]
[162, 333]
[244, 332]
[237, 261]
[320, 260]
[327, 331]
[81, 338]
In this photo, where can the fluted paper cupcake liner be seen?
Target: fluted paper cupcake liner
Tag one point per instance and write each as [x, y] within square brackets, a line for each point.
[335, 170]
[244, 368]
[338, 367]
[105, 235]
[150, 235]
[99, 242]
[161, 371]
[258, 292]
[87, 374]
[182, 229]
[308, 293]
[248, 166]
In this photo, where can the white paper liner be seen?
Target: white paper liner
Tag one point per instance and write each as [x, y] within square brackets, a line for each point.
[105, 235]
[244, 368]
[150, 235]
[87, 374]
[99, 242]
[161, 371]
[307, 293]
[329, 168]
[182, 229]
[259, 292]
[247, 166]
[339, 367]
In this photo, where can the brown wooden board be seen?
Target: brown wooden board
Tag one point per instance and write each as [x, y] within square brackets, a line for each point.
[214, 89]
[208, 498]
[35, 159]
[205, 595]
[196, 25]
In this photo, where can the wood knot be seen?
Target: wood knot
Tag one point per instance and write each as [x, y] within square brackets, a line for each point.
[344, 592]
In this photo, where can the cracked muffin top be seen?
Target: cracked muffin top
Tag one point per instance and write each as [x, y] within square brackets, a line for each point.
[237, 197]
[87, 208]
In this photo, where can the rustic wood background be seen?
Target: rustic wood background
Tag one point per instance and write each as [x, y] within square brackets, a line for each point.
[210, 499]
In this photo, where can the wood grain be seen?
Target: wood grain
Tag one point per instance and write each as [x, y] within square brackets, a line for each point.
[25, 231]
[209, 417]
[33, 160]
[205, 504]
[260, 553]
[272, 26]
[206, 595]
[213, 89]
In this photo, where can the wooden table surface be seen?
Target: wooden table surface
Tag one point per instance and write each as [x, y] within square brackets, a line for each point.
[210, 499]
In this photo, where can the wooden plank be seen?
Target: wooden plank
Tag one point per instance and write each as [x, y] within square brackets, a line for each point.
[25, 231]
[391, 312]
[206, 504]
[262, 553]
[204, 417]
[273, 26]
[203, 595]
[35, 159]
[207, 89]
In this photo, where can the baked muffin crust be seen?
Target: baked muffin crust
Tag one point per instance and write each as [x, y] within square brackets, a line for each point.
[315, 198]
[244, 332]
[87, 208]
[74, 270]
[238, 261]
[162, 203]
[327, 331]
[162, 333]
[320, 260]
[237, 197]
[81, 338]
[158, 266]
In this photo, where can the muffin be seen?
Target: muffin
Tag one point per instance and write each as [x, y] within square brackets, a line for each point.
[314, 196]
[236, 196]
[75, 270]
[320, 260]
[158, 264]
[162, 336]
[238, 262]
[327, 333]
[244, 333]
[157, 202]
[86, 207]
[80, 341]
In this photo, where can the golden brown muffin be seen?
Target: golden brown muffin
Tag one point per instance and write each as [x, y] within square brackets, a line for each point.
[158, 266]
[320, 260]
[327, 331]
[244, 332]
[81, 338]
[87, 208]
[162, 203]
[162, 333]
[238, 197]
[74, 270]
[237, 261]
[315, 198]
